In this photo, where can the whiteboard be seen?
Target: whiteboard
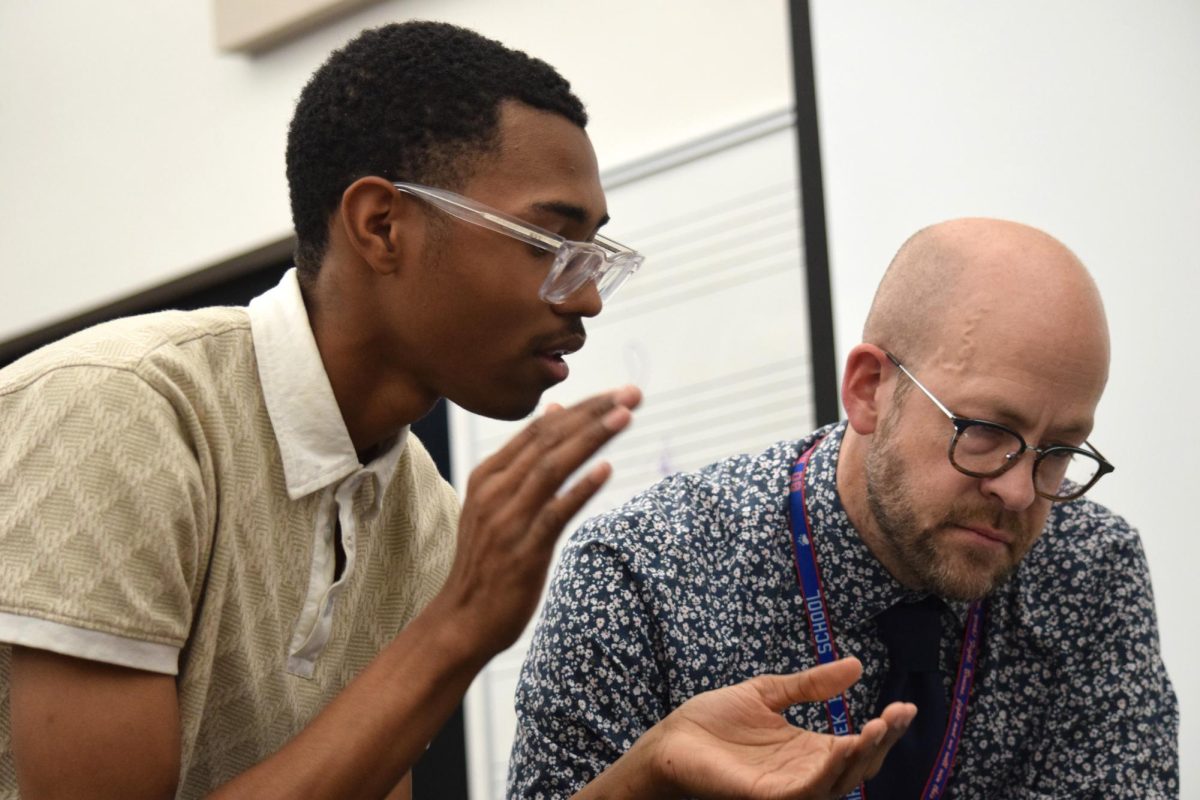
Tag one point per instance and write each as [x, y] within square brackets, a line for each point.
[713, 328]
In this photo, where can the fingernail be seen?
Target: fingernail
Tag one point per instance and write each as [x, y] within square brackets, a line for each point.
[600, 472]
[628, 395]
[616, 419]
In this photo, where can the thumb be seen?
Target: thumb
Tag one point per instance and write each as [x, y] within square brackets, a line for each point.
[819, 683]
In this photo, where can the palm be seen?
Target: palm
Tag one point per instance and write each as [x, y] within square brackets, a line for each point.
[735, 743]
[732, 744]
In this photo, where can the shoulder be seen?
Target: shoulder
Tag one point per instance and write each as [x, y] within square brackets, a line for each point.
[1083, 541]
[161, 390]
[698, 513]
[1085, 578]
[148, 346]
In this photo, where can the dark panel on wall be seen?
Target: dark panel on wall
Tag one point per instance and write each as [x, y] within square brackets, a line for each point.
[231, 283]
[812, 194]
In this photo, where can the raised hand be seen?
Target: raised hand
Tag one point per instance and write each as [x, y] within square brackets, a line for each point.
[734, 743]
[514, 512]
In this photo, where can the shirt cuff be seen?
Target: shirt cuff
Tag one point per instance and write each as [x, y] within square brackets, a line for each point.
[67, 640]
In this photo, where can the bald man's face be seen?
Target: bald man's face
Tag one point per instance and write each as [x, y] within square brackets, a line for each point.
[950, 533]
[1001, 323]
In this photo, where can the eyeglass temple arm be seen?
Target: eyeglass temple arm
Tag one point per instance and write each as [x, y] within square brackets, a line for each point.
[917, 383]
[469, 211]
[481, 215]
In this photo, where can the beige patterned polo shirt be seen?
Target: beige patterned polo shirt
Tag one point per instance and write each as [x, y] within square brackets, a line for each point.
[170, 490]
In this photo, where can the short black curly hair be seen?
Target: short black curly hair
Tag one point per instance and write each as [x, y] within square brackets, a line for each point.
[413, 101]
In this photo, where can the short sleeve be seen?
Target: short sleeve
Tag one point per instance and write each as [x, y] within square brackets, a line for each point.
[101, 508]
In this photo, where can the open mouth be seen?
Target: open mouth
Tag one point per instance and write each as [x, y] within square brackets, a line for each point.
[552, 353]
[556, 364]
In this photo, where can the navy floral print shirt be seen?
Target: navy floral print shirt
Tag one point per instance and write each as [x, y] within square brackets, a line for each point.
[692, 585]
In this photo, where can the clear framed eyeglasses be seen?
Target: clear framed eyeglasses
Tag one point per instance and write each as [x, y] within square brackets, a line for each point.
[602, 260]
[984, 449]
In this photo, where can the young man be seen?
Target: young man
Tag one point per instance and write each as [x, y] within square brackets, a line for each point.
[939, 534]
[228, 568]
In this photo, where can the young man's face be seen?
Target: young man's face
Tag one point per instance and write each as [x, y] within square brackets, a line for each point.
[479, 333]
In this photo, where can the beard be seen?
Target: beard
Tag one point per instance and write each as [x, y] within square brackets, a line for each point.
[918, 552]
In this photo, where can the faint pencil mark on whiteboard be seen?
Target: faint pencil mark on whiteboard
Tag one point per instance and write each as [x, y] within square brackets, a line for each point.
[637, 363]
[666, 467]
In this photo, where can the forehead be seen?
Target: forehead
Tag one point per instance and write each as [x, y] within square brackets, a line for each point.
[542, 160]
[1024, 334]
[1040, 393]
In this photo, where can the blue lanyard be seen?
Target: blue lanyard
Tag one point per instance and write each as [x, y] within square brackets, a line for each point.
[808, 575]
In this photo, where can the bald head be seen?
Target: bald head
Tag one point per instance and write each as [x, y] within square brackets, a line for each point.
[1001, 323]
[960, 289]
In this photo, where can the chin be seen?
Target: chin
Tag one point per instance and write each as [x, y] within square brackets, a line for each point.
[960, 576]
[509, 409]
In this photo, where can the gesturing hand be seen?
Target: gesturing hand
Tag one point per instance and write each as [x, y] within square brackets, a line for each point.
[513, 514]
[734, 743]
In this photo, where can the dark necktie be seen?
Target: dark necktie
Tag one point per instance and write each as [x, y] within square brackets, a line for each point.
[912, 633]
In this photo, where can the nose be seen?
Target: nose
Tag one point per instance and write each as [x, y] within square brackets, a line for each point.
[1014, 488]
[584, 301]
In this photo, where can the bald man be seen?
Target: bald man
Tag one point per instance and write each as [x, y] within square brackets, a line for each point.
[941, 534]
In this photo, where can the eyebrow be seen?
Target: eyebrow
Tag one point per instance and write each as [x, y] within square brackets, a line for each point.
[1013, 419]
[570, 211]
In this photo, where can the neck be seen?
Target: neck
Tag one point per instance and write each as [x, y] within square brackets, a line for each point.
[375, 399]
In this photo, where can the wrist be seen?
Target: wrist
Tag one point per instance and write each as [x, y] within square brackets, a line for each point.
[654, 763]
[454, 636]
[639, 774]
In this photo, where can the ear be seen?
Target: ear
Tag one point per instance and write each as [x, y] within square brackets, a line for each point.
[378, 223]
[862, 387]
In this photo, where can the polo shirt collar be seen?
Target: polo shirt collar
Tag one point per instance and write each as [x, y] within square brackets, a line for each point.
[309, 429]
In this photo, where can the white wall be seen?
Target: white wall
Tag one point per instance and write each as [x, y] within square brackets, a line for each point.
[1080, 118]
[131, 152]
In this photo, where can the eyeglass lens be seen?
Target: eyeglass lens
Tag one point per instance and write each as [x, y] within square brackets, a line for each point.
[584, 265]
[986, 449]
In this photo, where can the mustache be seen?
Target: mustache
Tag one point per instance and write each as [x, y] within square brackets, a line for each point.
[1000, 519]
[575, 326]
[572, 329]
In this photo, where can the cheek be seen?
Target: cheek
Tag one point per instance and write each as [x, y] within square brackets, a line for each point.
[938, 495]
[933, 481]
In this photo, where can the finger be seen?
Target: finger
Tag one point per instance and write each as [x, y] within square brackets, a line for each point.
[852, 767]
[866, 755]
[873, 743]
[897, 717]
[546, 464]
[845, 766]
[819, 683]
[555, 423]
[556, 513]
[497, 478]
